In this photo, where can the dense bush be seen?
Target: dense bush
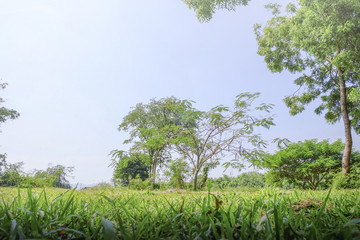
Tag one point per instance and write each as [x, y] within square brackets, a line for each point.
[308, 164]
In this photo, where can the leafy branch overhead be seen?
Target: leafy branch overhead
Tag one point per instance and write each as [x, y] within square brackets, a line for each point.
[206, 8]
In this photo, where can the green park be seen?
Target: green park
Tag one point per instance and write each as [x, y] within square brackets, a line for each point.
[162, 183]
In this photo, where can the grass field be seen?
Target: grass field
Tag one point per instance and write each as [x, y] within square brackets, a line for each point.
[117, 214]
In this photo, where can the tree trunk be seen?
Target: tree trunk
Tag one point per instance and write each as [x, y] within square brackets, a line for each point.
[195, 179]
[347, 125]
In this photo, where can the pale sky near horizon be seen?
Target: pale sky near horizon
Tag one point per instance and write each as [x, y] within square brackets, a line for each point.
[75, 68]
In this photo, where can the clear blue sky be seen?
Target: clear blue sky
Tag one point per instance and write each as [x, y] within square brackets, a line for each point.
[75, 68]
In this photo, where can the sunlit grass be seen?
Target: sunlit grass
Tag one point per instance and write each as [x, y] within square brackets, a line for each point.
[112, 213]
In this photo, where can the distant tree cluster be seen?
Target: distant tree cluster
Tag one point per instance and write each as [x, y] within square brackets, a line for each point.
[12, 175]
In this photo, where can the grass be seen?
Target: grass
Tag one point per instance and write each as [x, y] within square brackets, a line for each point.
[111, 213]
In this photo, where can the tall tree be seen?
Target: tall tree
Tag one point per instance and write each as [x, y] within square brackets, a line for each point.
[321, 40]
[206, 8]
[221, 130]
[152, 125]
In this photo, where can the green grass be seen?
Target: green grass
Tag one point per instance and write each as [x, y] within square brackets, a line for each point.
[116, 214]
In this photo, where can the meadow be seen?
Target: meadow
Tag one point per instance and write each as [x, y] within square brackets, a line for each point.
[112, 213]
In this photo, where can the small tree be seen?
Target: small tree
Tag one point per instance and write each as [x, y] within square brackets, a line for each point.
[178, 171]
[306, 164]
[222, 130]
[129, 166]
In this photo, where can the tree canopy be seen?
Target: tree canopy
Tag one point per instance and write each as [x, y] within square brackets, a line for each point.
[151, 127]
[224, 129]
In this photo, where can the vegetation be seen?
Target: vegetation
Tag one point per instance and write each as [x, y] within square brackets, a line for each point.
[112, 214]
[206, 8]
[244, 180]
[152, 126]
[169, 138]
[306, 164]
[54, 176]
[224, 130]
[129, 166]
[320, 40]
[200, 137]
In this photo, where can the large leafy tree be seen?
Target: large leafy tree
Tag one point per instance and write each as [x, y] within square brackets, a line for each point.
[223, 130]
[152, 126]
[306, 164]
[320, 39]
[206, 8]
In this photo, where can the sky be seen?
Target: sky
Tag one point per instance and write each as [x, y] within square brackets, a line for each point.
[75, 68]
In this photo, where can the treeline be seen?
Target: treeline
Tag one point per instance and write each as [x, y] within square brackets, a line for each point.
[303, 165]
[249, 180]
[12, 174]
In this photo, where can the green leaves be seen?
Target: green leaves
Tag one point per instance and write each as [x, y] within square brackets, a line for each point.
[206, 8]
[319, 39]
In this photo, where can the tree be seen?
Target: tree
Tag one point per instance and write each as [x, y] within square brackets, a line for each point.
[178, 170]
[11, 174]
[206, 8]
[319, 39]
[306, 164]
[151, 126]
[129, 166]
[223, 130]
[59, 175]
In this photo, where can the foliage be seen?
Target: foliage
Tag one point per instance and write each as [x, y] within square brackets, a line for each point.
[178, 171]
[306, 164]
[12, 174]
[248, 179]
[224, 130]
[140, 184]
[6, 113]
[113, 214]
[352, 180]
[319, 39]
[151, 127]
[129, 166]
[206, 8]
